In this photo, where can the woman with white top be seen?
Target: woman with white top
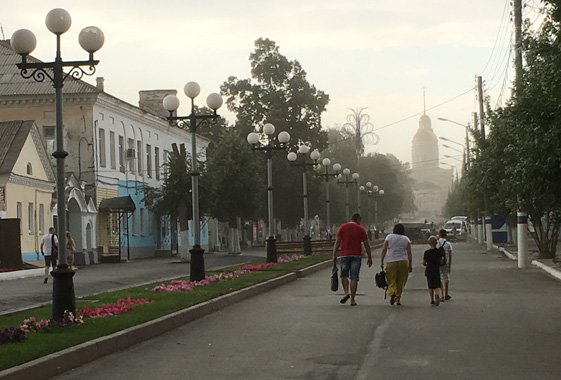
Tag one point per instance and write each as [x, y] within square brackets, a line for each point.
[397, 252]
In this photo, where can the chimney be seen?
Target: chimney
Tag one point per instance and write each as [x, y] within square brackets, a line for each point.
[151, 101]
[100, 83]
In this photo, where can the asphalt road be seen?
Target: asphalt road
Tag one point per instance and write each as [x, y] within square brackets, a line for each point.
[502, 323]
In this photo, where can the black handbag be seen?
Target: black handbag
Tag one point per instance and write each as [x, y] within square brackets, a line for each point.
[334, 279]
[381, 282]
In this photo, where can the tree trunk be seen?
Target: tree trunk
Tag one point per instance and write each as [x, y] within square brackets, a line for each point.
[234, 238]
[183, 248]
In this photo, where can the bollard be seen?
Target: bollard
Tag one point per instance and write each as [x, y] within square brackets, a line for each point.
[489, 233]
[479, 231]
[522, 223]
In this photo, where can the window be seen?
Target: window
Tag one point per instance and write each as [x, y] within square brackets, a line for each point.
[149, 160]
[30, 217]
[102, 156]
[125, 222]
[112, 150]
[130, 154]
[166, 161]
[141, 222]
[29, 169]
[133, 217]
[41, 218]
[49, 133]
[18, 213]
[157, 162]
[139, 156]
[121, 154]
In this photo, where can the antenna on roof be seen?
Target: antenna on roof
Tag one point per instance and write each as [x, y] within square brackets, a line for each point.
[2, 30]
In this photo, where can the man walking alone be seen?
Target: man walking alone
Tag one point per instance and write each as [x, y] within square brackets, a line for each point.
[351, 237]
[48, 242]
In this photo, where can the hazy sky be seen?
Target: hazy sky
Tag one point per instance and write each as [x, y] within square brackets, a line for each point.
[363, 53]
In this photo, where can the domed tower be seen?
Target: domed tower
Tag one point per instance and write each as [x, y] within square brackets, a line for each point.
[425, 146]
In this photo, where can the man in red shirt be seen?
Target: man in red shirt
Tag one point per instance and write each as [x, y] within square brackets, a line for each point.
[351, 237]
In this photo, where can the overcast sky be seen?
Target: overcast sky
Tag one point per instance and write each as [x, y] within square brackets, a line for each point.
[363, 53]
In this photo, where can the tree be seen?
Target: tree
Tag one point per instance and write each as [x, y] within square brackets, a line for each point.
[235, 190]
[279, 93]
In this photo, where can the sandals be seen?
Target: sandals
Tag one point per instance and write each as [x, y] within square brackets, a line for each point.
[345, 299]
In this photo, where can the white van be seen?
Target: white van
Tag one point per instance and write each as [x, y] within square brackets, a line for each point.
[456, 228]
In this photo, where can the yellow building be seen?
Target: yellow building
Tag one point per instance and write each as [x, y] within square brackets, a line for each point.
[27, 182]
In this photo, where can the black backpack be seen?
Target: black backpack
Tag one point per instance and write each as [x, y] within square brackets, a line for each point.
[442, 252]
[380, 279]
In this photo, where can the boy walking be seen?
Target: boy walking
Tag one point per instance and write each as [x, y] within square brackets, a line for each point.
[432, 260]
[447, 267]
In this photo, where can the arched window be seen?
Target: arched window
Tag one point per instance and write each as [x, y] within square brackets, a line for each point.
[29, 169]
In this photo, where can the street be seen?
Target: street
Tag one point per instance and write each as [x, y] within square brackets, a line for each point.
[502, 323]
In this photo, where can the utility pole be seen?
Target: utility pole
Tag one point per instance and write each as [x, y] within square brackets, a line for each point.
[481, 113]
[518, 43]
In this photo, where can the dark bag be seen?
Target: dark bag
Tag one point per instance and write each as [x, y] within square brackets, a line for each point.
[334, 279]
[381, 282]
[54, 248]
[442, 253]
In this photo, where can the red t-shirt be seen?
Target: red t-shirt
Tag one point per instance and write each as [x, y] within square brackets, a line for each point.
[352, 235]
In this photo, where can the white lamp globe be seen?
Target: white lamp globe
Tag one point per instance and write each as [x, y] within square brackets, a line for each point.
[192, 90]
[292, 156]
[284, 137]
[355, 175]
[315, 155]
[361, 188]
[91, 39]
[253, 138]
[303, 149]
[326, 162]
[368, 184]
[381, 192]
[375, 188]
[171, 103]
[23, 41]
[58, 21]
[214, 101]
[346, 171]
[268, 129]
[337, 167]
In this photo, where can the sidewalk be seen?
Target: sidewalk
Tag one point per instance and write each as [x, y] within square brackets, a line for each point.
[547, 265]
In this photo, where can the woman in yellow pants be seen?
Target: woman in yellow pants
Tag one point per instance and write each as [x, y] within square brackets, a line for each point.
[397, 252]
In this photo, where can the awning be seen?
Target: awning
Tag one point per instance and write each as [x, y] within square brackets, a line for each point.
[117, 204]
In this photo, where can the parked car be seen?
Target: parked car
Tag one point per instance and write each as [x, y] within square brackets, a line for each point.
[456, 229]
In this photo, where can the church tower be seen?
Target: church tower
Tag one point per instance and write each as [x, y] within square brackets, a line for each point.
[425, 144]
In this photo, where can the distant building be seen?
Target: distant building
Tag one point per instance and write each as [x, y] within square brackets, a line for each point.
[432, 183]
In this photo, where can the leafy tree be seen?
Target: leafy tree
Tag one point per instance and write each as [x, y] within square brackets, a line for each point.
[279, 93]
[235, 188]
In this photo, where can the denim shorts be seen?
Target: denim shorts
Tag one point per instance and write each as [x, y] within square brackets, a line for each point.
[350, 265]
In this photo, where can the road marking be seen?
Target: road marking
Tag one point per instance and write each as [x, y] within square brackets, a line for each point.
[368, 366]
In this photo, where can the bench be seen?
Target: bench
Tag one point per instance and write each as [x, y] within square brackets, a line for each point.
[297, 247]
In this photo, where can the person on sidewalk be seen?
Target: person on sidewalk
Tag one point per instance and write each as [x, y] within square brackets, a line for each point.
[350, 238]
[48, 242]
[447, 267]
[397, 250]
[433, 260]
[70, 250]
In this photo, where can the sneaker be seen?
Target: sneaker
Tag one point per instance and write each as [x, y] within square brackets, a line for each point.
[436, 300]
[447, 297]
[432, 303]
[46, 280]
[392, 299]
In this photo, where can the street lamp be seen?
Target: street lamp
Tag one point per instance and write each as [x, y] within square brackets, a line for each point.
[303, 150]
[463, 152]
[326, 162]
[467, 162]
[23, 42]
[192, 122]
[266, 143]
[347, 182]
[373, 191]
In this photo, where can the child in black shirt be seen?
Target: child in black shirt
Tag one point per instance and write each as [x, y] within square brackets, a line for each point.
[433, 259]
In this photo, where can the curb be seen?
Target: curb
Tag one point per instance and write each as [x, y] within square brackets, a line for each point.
[554, 272]
[7, 276]
[73, 357]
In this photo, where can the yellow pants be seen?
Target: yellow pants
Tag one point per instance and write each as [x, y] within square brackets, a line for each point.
[396, 275]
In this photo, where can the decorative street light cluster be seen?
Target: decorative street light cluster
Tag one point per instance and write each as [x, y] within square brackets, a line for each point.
[23, 42]
[372, 191]
[347, 182]
[467, 160]
[192, 122]
[327, 175]
[303, 150]
[266, 143]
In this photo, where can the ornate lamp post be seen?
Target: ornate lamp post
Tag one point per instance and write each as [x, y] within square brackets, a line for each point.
[327, 175]
[23, 42]
[347, 182]
[192, 122]
[266, 143]
[374, 191]
[302, 150]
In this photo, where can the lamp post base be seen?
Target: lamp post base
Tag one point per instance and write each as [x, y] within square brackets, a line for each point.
[271, 250]
[63, 291]
[307, 245]
[197, 272]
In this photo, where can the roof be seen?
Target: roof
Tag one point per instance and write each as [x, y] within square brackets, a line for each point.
[12, 138]
[13, 84]
[117, 204]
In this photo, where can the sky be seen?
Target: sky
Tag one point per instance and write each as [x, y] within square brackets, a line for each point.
[363, 53]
